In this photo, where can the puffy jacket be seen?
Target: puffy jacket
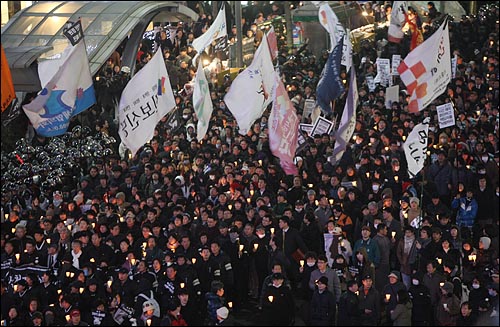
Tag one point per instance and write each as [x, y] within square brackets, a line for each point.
[467, 212]
[323, 308]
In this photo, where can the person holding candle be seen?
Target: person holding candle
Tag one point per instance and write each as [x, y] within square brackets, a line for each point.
[390, 293]
[448, 306]
[432, 280]
[369, 302]
[278, 304]
[385, 245]
[407, 255]
[226, 269]
[349, 313]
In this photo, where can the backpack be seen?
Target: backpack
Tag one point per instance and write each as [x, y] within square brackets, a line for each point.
[153, 301]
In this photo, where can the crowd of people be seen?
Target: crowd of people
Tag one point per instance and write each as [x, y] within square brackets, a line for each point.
[191, 232]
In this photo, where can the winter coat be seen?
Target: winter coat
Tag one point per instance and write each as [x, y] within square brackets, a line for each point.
[467, 211]
[370, 301]
[421, 299]
[281, 311]
[349, 311]
[448, 318]
[401, 315]
[322, 308]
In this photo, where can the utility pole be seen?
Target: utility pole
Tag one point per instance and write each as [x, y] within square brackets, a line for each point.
[289, 25]
[239, 34]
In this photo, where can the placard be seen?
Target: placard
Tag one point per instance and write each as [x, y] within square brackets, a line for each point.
[454, 66]
[391, 95]
[383, 71]
[307, 128]
[446, 115]
[309, 105]
[396, 60]
[371, 83]
[322, 126]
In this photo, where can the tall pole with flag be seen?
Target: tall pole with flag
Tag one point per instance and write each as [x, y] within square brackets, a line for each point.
[67, 90]
[10, 104]
[426, 71]
[330, 86]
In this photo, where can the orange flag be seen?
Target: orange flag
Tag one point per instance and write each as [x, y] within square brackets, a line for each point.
[8, 93]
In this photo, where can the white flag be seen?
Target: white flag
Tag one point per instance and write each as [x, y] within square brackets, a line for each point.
[216, 30]
[145, 100]
[252, 90]
[415, 147]
[398, 20]
[426, 71]
[348, 121]
[331, 23]
[202, 102]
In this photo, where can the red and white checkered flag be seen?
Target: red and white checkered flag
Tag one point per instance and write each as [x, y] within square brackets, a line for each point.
[426, 71]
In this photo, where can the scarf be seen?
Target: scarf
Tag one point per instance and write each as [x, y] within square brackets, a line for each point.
[76, 262]
[408, 243]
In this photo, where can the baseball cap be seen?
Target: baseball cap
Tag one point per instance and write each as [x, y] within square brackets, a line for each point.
[123, 270]
[311, 192]
[367, 277]
[394, 274]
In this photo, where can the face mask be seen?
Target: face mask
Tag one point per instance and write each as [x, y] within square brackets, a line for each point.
[310, 264]
[218, 146]
[185, 116]
[475, 286]
[299, 209]
[357, 166]
[484, 158]
[375, 225]
[415, 282]
[261, 235]
[57, 202]
[222, 107]
[277, 285]
[375, 187]
[85, 272]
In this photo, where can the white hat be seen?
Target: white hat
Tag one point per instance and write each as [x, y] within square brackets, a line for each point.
[337, 230]
[223, 312]
[125, 69]
[148, 305]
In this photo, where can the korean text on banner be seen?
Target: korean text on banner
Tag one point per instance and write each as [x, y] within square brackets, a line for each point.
[216, 30]
[446, 115]
[415, 148]
[283, 129]
[426, 71]
[145, 100]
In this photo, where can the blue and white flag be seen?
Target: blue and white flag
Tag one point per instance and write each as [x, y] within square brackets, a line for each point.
[330, 85]
[348, 120]
[68, 92]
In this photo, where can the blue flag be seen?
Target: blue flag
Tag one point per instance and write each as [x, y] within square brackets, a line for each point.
[330, 85]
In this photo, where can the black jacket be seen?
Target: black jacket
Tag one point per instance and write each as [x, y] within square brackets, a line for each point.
[323, 308]
[349, 312]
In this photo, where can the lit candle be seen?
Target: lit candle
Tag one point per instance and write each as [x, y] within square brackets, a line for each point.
[331, 201]
[474, 257]
[230, 305]
[396, 178]
[59, 291]
[272, 230]
[71, 274]
[316, 202]
[92, 260]
[144, 245]
[439, 260]
[393, 234]
[122, 219]
[13, 230]
[470, 257]
[260, 162]
[302, 263]
[249, 200]
[182, 285]
[133, 261]
[18, 256]
[404, 137]
[367, 174]
[193, 260]
[310, 185]
[270, 298]
[441, 284]
[93, 225]
[67, 274]
[48, 241]
[341, 243]
[15, 288]
[252, 192]
[354, 183]
[6, 216]
[388, 297]
[230, 206]
[236, 163]
[109, 283]
[405, 214]
[241, 247]
[81, 290]
[386, 148]
[357, 292]
[255, 246]
[70, 227]
[67, 317]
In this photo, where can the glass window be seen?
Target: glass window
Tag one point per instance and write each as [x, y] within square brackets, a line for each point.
[94, 7]
[36, 41]
[120, 7]
[58, 44]
[86, 20]
[92, 43]
[23, 25]
[11, 41]
[102, 25]
[51, 25]
[69, 8]
[44, 7]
